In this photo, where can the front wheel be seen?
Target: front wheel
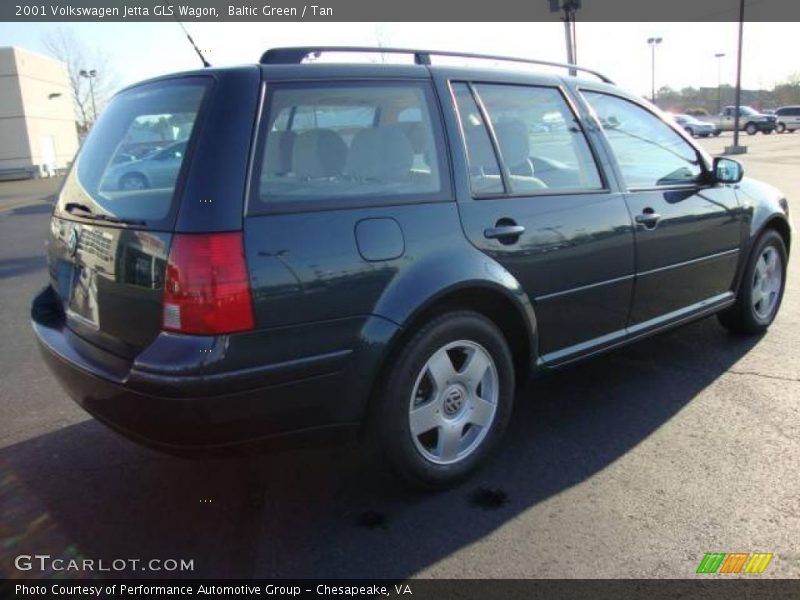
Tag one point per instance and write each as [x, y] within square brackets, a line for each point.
[751, 129]
[447, 400]
[133, 181]
[761, 289]
[781, 128]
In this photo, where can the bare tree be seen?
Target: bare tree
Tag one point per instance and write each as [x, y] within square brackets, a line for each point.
[64, 45]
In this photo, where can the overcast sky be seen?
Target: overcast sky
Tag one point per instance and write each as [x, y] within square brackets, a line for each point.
[685, 57]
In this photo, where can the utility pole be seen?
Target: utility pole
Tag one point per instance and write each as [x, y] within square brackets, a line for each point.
[569, 7]
[653, 42]
[736, 148]
[90, 75]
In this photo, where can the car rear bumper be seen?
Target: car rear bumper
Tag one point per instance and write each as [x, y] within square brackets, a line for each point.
[199, 411]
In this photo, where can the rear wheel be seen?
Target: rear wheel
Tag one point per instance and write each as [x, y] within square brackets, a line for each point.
[781, 127]
[447, 400]
[761, 290]
[133, 181]
[690, 131]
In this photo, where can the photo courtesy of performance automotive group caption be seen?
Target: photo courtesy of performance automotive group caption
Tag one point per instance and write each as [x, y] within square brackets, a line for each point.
[399, 299]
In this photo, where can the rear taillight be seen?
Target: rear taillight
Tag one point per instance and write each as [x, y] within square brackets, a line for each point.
[207, 289]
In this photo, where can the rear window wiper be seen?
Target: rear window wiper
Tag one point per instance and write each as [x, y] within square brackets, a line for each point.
[71, 207]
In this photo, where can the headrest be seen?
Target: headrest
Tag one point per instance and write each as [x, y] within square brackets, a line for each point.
[481, 153]
[318, 153]
[382, 153]
[415, 132]
[512, 136]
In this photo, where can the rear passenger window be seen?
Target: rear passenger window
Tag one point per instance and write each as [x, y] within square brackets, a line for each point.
[540, 140]
[367, 142]
[484, 171]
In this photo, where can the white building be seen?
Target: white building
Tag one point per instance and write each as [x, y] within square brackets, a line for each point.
[38, 135]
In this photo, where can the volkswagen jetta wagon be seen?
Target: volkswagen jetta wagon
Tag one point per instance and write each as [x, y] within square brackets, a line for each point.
[390, 247]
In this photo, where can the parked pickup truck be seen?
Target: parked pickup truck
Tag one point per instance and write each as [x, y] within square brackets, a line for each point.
[750, 120]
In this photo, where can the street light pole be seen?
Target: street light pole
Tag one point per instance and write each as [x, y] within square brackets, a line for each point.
[736, 148]
[653, 42]
[719, 56]
[569, 7]
[90, 75]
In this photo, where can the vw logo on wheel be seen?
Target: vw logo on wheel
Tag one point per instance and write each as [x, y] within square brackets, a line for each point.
[72, 242]
[453, 401]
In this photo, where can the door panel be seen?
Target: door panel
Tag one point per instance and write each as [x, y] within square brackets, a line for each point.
[569, 242]
[691, 253]
[574, 260]
[687, 233]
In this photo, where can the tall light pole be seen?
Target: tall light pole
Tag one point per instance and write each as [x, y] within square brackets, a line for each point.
[653, 42]
[736, 148]
[719, 56]
[90, 75]
[569, 7]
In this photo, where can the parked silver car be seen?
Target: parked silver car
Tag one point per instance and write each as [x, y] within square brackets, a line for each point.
[695, 127]
[788, 119]
[156, 170]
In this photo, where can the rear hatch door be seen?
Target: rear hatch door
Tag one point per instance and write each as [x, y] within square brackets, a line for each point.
[112, 225]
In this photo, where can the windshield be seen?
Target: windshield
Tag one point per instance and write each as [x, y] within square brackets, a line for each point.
[129, 165]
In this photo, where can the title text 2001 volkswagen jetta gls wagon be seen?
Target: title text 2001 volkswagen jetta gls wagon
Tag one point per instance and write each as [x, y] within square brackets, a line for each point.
[391, 245]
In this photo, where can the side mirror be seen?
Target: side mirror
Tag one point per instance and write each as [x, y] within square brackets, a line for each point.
[728, 170]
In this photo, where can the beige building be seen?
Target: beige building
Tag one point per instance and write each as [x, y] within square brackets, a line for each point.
[38, 136]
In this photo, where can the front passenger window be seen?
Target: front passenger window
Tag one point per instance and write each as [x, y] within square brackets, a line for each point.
[649, 152]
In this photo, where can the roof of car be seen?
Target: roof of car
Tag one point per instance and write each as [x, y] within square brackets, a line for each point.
[286, 64]
[304, 54]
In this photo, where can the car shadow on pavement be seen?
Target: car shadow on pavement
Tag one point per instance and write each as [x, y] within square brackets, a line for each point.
[329, 511]
[45, 207]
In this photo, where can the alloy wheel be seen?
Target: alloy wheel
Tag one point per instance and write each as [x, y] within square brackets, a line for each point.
[453, 402]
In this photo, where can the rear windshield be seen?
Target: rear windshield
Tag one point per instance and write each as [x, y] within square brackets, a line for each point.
[130, 163]
[354, 143]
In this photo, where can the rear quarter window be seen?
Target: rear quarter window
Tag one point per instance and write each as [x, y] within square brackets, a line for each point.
[348, 144]
[130, 164]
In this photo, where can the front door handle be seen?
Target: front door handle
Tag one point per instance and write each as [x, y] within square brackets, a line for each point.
[649, 218]
[504, 232]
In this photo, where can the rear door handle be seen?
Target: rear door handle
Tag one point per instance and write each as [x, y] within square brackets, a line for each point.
[503, 232]
[649, 218]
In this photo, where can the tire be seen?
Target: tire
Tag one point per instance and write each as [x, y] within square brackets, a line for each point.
[690, 131]
[780, 128]
[447, 346]
[716, 133]
[751, 129]
[133, 181]
[704, 135]
[749, 315]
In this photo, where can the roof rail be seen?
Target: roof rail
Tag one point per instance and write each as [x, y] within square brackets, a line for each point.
[283, 56]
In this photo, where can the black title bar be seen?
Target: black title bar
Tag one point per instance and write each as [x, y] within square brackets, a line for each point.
[394, 10]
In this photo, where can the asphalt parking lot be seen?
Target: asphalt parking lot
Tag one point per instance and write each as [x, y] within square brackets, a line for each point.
[631, 465]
